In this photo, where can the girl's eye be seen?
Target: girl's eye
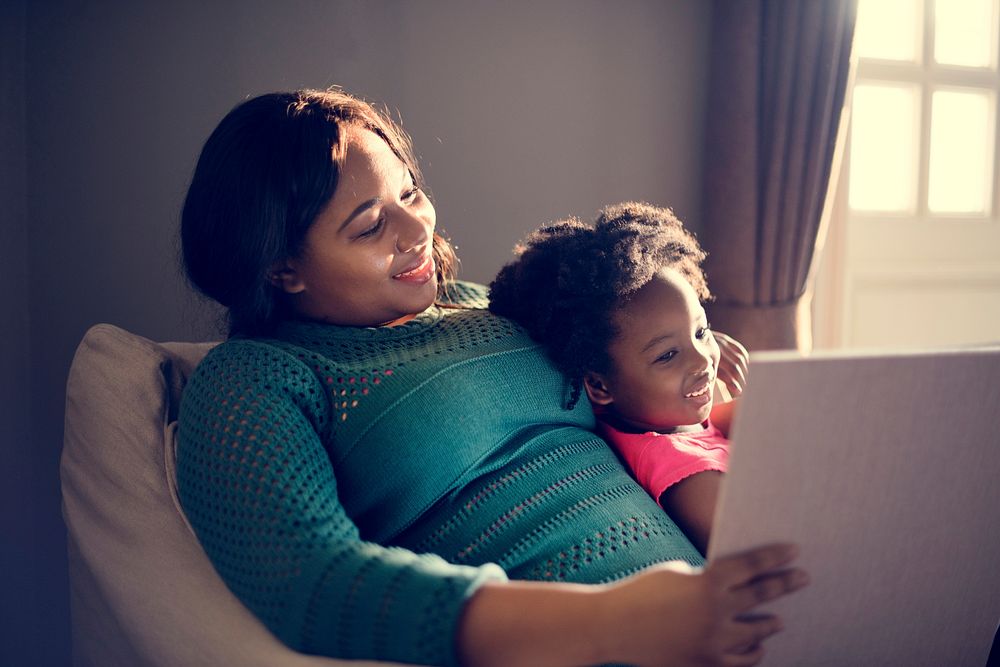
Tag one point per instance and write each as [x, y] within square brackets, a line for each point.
[703, 331]
[371, 231]
[667, 356]
[410, 195]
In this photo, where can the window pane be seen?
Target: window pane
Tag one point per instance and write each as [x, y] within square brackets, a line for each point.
[964, 32]
[961, 140]
[883, 170]
[888, 29]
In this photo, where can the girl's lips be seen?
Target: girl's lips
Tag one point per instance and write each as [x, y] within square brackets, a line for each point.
[420, 273]
[701, 393]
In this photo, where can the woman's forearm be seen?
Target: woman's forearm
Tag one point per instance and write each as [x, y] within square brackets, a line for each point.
[664, 616]
[531, 623]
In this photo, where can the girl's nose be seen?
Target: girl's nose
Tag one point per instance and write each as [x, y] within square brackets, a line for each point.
[706, 357]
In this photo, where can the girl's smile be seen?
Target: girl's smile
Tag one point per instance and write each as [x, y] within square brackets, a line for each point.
[664, 359]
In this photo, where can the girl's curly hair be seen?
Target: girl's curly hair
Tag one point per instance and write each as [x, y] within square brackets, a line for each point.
[570, 277]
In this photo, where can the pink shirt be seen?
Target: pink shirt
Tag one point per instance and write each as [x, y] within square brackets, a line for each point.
[660, 460]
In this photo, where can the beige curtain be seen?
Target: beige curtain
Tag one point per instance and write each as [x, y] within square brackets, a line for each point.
[779, 73]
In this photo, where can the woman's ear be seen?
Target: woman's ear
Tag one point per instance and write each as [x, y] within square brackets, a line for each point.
[284, 276]
[597, 388]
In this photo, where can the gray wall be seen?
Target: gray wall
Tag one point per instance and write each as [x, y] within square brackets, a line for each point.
[19, 466]
[521, 114]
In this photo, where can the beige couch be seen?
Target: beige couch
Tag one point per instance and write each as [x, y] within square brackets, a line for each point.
[142, 590]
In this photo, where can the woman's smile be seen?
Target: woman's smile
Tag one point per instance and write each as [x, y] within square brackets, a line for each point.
[368, 259]
[418, 272]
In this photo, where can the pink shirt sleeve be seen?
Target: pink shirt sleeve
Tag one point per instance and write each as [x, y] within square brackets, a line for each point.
[660, 460]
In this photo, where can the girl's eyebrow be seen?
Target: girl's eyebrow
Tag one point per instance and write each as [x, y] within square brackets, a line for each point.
[657, 339]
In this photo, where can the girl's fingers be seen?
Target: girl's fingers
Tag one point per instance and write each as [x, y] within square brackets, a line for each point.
[735, 386]
[737, 369]
[733, 381]
[731, 345]
[733, 362]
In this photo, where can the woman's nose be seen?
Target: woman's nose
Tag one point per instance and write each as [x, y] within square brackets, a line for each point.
[412, 231]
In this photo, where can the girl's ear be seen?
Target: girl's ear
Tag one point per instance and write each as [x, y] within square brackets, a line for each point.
[597, 388]
[284, 276]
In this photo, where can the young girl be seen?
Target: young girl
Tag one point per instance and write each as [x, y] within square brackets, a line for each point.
[617, 305]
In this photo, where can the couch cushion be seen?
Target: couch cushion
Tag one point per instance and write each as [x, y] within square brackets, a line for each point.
[142, 590]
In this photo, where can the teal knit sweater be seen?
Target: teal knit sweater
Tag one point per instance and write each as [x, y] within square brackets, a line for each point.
[354, 486]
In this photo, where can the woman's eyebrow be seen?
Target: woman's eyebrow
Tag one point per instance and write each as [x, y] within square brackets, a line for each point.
[361, 208]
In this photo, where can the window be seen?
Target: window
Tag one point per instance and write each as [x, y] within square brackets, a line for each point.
[913, 256]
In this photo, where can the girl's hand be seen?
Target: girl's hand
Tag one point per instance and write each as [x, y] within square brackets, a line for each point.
[672, 614]
[733, 362]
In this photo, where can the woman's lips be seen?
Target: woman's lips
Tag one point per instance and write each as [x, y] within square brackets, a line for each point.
[419, 273]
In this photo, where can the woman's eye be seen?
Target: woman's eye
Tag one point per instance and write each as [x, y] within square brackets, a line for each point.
[410, 195]
[371, 231]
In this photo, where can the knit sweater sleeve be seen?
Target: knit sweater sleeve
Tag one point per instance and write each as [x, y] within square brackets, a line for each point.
[259, 490]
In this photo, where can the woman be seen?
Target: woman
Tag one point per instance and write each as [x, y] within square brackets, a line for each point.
[370, 443]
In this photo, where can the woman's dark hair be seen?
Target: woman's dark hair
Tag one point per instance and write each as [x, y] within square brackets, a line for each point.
[571, 277]
[264, 175]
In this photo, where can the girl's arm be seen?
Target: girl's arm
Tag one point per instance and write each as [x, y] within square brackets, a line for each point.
[669, 614]
[722, 415]
[691, 504]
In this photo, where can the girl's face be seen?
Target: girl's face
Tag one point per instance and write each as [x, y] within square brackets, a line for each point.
[664, 359]
[367, 259]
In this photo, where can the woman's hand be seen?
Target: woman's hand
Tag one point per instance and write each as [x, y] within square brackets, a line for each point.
[669, 614]
[733, 362]
[672, 614]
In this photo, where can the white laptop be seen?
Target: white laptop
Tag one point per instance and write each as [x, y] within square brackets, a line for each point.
[885, 469]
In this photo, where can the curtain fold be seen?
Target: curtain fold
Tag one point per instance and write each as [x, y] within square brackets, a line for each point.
[779, 73]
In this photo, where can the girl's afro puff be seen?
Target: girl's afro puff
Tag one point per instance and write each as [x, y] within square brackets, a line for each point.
[569, 278]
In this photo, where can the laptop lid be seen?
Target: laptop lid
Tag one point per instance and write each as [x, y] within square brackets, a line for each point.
[885, 469]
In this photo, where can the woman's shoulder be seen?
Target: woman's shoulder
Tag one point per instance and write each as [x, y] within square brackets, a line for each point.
[252, 371]
[238, 347]
[467, 294]
[243, 360]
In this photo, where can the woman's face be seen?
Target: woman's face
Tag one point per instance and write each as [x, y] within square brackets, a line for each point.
[664, 359]
[367, 259]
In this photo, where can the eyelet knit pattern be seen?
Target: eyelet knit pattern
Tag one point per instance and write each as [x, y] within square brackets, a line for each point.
[353, 486]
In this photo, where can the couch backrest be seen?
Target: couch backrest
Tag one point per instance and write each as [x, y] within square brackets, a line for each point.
[142, 590]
